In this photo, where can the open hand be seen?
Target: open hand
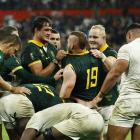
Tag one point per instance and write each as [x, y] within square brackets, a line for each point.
[20, 90]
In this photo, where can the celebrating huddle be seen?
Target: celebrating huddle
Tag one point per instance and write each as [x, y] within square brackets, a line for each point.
[87, 106]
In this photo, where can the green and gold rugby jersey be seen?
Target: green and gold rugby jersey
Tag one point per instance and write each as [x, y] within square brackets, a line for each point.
[36, 52]
[42, 96]
[112, 95]
[87, 69]
[2, 60]
[12, 66]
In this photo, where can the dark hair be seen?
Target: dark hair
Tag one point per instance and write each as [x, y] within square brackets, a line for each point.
[39, 21]
[83, 42]
[54, 31]
[132, 26]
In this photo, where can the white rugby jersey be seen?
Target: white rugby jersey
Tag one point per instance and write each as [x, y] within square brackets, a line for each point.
[130, 80]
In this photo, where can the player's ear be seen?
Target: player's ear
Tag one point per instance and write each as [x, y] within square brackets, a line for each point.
[35, 30]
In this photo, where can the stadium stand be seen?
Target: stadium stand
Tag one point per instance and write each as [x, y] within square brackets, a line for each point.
[84, 13]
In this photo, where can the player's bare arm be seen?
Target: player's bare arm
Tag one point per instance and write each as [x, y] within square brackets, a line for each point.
[38, 69]
[69, 79]
[16, 90]
[29, 134]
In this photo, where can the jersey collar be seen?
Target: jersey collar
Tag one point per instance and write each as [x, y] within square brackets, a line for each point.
[37, 43]
[103, 47]
[83, 53]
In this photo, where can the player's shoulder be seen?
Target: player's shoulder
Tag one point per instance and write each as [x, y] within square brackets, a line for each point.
[68, 67]
[110, 49]
[13, 58]
[69, 70]
[30, 47]
[124, 47]
[110, 52]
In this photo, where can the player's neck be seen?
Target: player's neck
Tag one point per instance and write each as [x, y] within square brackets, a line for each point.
[78, 51]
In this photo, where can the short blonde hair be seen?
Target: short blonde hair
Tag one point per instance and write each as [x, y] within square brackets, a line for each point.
[100, 27]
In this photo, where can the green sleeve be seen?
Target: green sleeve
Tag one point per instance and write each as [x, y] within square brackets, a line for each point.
[27, 77]
[111, 52]
[29, 55]
[12, 63]
[14, 66]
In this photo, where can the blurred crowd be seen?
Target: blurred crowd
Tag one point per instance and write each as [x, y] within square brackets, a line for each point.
[115, 25]
[63, 4]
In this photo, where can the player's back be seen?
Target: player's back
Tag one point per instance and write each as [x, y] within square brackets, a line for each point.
[134, 60]
[42, 96]
[87, 69]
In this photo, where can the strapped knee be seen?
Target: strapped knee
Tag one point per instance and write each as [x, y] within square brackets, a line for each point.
[48, 135]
